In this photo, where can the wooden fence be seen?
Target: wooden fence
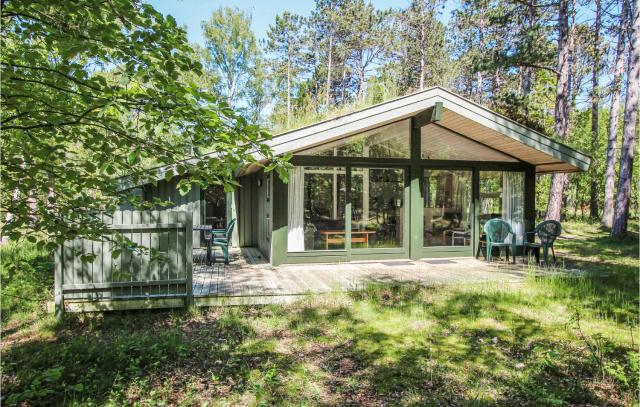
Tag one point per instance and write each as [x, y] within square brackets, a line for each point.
[153, 270]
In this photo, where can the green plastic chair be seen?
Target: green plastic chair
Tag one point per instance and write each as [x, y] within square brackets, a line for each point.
[497, 232]
[547, 232]
[222, 238]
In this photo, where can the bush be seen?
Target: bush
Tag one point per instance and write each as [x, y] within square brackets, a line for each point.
[27, 278]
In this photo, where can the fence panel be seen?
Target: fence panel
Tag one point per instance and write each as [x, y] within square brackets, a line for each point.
[154, 266]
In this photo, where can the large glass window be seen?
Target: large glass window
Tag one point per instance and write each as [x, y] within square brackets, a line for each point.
[447, 207]
[391, 141]
[502, 196]
[377, 210]
[316, 208]
[439, 143]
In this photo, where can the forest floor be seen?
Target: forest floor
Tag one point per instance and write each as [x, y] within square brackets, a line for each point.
[559, 339]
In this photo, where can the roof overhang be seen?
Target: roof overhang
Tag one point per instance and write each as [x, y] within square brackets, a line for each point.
[459, 115]
[452, 112]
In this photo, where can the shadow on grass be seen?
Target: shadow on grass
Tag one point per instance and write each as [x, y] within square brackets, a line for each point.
[105, 357]
[456, 362]
[383, 345]
[466, 355]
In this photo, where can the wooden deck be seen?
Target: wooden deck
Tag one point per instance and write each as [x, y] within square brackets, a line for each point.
[250, 279]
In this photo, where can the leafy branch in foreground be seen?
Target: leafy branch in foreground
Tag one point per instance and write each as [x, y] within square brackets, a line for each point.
[95, 90]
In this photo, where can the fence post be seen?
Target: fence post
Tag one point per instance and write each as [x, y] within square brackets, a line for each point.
[189, 256]
[57, 286]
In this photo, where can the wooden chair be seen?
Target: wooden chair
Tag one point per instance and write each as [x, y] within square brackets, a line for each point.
[497, 232]
[222, 238]
[547, 232]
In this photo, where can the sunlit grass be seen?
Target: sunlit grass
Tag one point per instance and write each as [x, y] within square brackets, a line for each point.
[559, 337]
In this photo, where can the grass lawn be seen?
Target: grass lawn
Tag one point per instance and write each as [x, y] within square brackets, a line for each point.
[552, 340]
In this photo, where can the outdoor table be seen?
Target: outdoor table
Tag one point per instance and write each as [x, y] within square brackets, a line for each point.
[209, 239]
[364, 236]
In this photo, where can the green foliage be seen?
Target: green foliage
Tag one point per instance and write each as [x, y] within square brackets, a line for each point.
[91, 366]
[95, 90]
[384, 344]
[27, 278]
[231, 51]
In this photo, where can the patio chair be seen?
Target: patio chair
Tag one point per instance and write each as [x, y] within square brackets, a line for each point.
[499, 234]
[547, 232]
[222, 238]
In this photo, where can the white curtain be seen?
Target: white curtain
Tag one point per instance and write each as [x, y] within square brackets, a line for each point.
[296, 210]
[513, 202]
[464, 198]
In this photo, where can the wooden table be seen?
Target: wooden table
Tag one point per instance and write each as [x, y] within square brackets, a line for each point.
[338, 236]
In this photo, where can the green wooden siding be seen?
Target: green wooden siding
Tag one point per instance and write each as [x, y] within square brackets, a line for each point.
[191, 202]
[253, 200]
[87, 270]
[264, 212]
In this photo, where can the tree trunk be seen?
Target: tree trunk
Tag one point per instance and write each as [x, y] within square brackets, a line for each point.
[561, 111]
[595, 100]
[422, 45]
[629, 130]
[614, 112]
[288, 92]
[343, 83]
[362, 85]
[527, 74]
[327, 96]
[479, 78]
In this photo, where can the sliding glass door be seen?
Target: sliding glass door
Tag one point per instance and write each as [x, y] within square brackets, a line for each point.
[318, 209]
[377, 208]
[447, 196]
[502, 196]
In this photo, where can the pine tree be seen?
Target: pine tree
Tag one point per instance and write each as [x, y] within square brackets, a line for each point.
[367, 41]
[614, 112]
[630, 129]
[595, 101]
[561, 110]
[328, 38]
[284, 45]
[420, 50]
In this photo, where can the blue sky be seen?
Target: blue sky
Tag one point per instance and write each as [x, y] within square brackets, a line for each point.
[191, 12]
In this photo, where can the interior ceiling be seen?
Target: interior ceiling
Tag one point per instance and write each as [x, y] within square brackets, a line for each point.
[440, 143]
[513, 150]
[544, 162]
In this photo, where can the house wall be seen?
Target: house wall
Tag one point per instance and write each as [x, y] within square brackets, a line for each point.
[191, 202]
[245, 198]
[250, 204]
[413, 226]
[254, 211]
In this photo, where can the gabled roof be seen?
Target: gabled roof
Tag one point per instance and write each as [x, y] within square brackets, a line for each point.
[455, 113]
[459, 115]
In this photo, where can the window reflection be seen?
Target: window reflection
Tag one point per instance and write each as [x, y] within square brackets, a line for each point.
[377, 219]
[447, 207]
[502, 196]
[316, 208]
[391, 141]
